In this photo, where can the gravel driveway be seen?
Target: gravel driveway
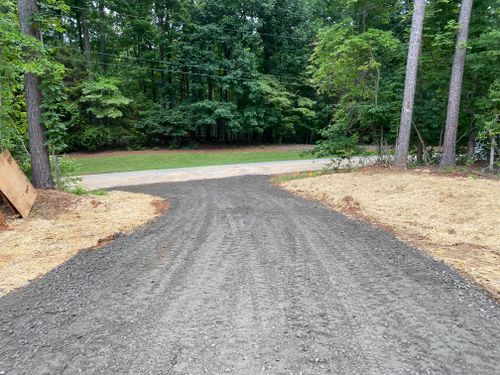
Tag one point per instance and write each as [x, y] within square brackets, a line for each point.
[243, 278]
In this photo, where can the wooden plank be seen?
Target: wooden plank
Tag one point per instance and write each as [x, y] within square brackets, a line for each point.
[15, 186]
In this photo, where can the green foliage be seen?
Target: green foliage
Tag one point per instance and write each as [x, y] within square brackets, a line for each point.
[354, 70]
[298, 176]
[49, 15]
[346, 63]
[57, 114]
[338, 144]
[14, 50]
[80, 190]
[63, 171]
[489, 118]
[180, 72]
[103, 98]
[95, 138]
[99, 192]
[20, 54]
[481, 68]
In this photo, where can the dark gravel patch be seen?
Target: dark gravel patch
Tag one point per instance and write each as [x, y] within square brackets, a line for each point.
[241, 277]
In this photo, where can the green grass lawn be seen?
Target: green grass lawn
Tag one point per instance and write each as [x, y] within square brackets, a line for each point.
[140, 162]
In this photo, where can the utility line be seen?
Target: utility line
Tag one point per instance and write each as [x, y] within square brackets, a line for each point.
[280, 77]
[242, 79]
[150, 18]
[175, 63]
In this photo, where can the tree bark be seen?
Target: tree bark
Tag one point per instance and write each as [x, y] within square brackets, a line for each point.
[471, 142]
[40, 163]
[79, 28]
[86, 41]
[153, 84]
[493, 144]
[102, 36]
[420, 153]
[448, 158]
[410, 84]
[422, 147]
[161, 25]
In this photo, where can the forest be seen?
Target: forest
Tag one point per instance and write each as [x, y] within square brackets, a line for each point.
[183, 73]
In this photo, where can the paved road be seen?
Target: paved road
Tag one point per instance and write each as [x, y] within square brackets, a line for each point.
[109, 180]
[243, 278]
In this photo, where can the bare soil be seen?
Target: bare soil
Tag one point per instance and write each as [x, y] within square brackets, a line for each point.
[453, 217]
[160, 206]
[62, 224]
[3, 222]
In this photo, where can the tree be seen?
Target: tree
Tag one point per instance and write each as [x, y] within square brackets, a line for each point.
[232, 71]
[448, 158]
[403, 142]
[489, 120]
[352, 69]
[40, 164]
[103, 98]
[12, 123]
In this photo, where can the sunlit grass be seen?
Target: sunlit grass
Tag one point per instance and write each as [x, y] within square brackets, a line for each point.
[148, 161]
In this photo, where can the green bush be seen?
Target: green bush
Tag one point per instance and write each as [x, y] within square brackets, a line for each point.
[63, 170]
[95, 138]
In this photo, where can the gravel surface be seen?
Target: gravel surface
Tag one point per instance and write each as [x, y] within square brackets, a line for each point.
[243, 278]
[119, 179]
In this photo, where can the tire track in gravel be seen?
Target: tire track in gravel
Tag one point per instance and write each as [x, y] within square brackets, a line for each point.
[241, 277]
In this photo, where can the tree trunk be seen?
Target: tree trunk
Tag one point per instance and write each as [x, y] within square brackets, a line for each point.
[153, 83]
[79, 28]
[40, 164]
[448, 158]
[410, 84]
[492, 153]
[86, 41]
[266, 54]
[422, 154]
[210, 94]
[102, 36]
[471, 143]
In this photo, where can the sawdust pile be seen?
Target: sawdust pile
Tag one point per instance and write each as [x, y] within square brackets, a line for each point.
[61, 224]
[455, 219]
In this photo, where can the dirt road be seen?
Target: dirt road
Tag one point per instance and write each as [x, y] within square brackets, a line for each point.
[243, 278]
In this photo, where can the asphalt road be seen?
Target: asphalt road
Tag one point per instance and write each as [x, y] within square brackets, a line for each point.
[243, 278]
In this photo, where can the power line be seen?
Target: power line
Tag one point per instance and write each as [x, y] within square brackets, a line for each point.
[279, 77]
[142, 18]
[177, 63]
[200, 74]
